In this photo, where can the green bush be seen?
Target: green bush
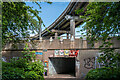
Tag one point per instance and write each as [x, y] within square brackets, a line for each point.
[20, 63]
[31, 75]
[16, 70]
[11, 73]
[105, 73]
[23, 68]
[34, 71]
[36, 67]
[6, 64]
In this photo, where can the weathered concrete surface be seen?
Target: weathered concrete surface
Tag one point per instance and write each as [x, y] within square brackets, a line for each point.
[83, 63]
[87, 61]
[10, 54]
[56, 44]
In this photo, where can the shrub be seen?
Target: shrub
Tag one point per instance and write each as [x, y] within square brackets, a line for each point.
[37, 67]
[11, 73]
[105, 73]
[6, 64]
[20, 63]
[31, 75]
[23, 68]
[34, 71]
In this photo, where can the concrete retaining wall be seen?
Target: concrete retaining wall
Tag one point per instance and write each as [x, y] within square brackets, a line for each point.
[83, 63]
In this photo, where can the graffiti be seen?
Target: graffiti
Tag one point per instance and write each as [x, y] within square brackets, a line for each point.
[46, 63]
[61, 52]
[66, 52]
[89, 63]
[74, 53]
[56, 52]
[4, 59]
[39, 53]
[44, 50]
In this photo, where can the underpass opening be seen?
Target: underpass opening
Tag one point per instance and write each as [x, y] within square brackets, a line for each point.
[62, 66]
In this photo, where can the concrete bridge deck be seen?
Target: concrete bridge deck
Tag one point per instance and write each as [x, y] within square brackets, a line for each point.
[61, 23]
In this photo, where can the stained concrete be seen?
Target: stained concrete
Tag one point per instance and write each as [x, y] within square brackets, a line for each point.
[84, 62]
[56, 44]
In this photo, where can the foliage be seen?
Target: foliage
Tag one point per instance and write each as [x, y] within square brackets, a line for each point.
[5, 64]
[31, 75]
[102, 21]
[105, 73]
[19, 21]
[35, 70]
[12, 73]
[20, 62]
[15, 20]
[28, 55]
[103, 24]
[36, 66]
[110, 58]
[23, 68]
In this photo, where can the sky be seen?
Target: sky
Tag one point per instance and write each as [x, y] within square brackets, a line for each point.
[50, 12]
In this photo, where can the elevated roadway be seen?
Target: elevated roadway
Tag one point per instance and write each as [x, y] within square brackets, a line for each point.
[61, 23]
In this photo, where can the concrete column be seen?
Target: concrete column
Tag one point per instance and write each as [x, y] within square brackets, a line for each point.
[67, 35]
[40, 34]
[72, 28]
[56, 35]
[40, 30]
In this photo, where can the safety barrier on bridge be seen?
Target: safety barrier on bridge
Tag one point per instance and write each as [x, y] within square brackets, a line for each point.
[61, 38]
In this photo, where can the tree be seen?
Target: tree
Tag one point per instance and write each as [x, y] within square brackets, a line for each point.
[18, 20]
[102, 21]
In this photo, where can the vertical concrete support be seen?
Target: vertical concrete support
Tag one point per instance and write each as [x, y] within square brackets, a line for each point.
[40, 39]
[67, 35]
[56, 35]
[40, 34]
[61, 39]
[77, 68]
[40, 30]
[72, 28]
[51, 39]
[72, 44]
[52, 70]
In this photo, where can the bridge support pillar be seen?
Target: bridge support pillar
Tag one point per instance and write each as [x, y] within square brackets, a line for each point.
[67, 35]
[56, 35]
[72, 28]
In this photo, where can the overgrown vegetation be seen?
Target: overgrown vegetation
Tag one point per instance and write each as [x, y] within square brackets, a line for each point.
[23, 68]
[19, 21]
[105, 73]
[102, 21]
[103, 24]
[111, 70]
[110, 58]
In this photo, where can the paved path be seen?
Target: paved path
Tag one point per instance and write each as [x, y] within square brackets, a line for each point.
[63, 79]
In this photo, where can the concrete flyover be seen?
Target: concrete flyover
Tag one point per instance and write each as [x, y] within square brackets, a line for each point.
[61, 23]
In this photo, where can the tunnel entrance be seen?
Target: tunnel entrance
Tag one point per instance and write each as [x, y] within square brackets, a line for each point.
[62, 66]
